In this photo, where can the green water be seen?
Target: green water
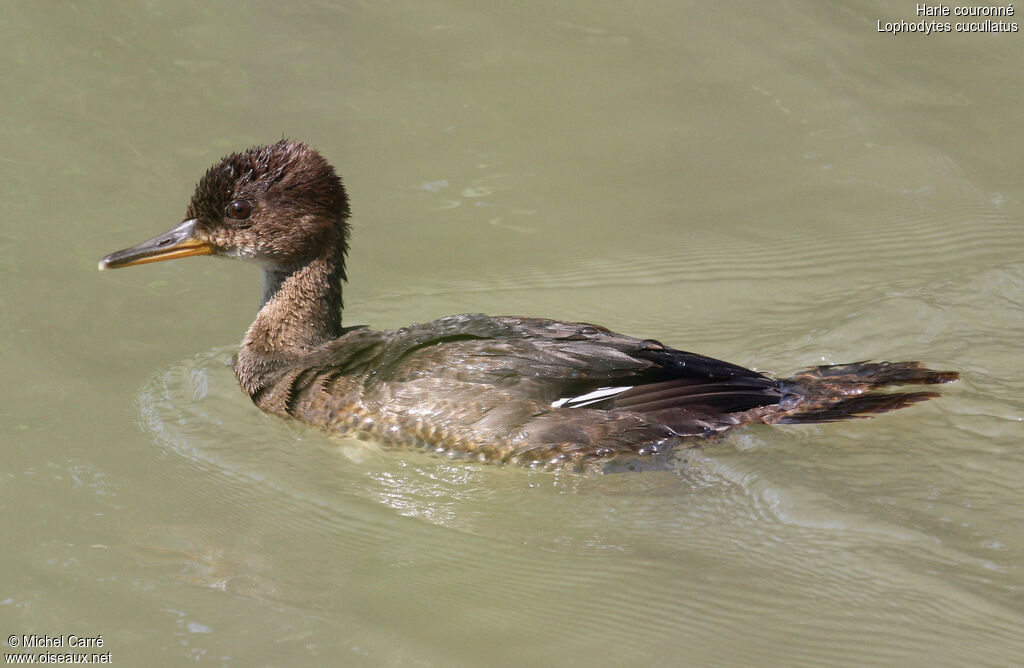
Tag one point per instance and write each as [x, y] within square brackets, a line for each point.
[776, 184]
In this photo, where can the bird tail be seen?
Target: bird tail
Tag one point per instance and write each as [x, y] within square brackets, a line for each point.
[843, 391]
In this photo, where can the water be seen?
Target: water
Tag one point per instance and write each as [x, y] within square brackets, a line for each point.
[777, 185]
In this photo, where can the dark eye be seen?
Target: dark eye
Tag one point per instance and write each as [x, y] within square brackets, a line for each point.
[239, 209]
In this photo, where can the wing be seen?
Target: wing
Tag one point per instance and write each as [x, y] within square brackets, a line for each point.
[572, 366]
[523, 388]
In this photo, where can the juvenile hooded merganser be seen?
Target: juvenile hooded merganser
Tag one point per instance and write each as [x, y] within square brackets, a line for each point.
[506, 389]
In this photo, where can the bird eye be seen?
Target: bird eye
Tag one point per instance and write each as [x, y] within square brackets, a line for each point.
[239, 209]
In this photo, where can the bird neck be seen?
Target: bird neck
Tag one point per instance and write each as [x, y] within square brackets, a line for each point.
[299, 311]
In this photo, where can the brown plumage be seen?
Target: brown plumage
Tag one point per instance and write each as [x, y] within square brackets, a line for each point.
[528, 390]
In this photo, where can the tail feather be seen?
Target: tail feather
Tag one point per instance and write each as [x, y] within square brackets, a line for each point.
[856, 407]
[844, 391]
[875, 374]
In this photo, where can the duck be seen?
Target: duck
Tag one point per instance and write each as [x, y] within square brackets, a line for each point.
[504, 389]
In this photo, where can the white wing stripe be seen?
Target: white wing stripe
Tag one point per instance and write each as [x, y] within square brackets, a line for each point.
[590, 397]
